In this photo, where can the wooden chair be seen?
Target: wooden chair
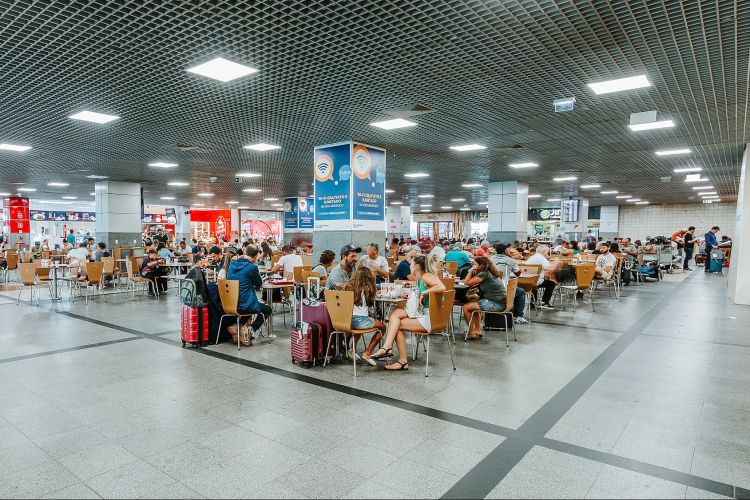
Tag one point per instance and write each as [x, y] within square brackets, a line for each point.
[135, 279]
[229, 294]
[11, 261]
[309, 274]
[451, 267]
[298, 270]
[27, 276]
[94, 273]
[307, 260]
[441, 307]
[584, 282]
[110, 271]
[510, 296]
[614, 280]
[340, 306]
[587, 257]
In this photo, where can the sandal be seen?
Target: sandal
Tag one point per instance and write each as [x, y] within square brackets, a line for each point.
[368, 360]
[387, 354]
[402, 366]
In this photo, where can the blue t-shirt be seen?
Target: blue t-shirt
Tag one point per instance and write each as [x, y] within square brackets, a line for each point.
[402, 270]
[457, 256]
[247, 274]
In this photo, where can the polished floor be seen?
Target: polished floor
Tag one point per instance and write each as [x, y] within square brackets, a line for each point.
[645, 398]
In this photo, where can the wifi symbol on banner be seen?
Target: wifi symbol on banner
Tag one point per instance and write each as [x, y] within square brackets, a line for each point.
[322, 169]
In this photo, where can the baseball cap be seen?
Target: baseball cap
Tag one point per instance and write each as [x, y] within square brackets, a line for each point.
[346, 249]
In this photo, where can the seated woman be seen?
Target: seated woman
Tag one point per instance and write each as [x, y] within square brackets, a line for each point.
[427, 283]
[491, 289]
[326, 260]
[362, 283]
[164, 252]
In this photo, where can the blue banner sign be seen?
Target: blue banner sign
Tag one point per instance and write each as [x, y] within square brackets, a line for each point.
[332, 173]
[368, 187]
[306, 213]
[291, 213]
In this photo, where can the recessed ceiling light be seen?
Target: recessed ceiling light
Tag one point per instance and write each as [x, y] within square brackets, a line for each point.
[523, 165]
[564, 179]
[623, 197]
[58, 184]
[701, 188]
[708, 193]
[262, 146]
[620, 84]
[633, 200]
[97, 177]
[4, 194]
[687, 169]
[416, 175]
[483, 203]
[69, 197]
[14, 147]
[641, 203]
[243, 208]
[668, 152]
[26, 190]
[90, 116]
[248, 174]
[694, 178]
[221, 69]
[167, 198]
[397, 203]
[199, 204]
[447, 208]
[472, 185]
[638, 127]
[534, 196]
[92, 194]
[232, 202]
[277, 204]
[425, 210]
[178, 183]
[426, 205]
[464, 209]
[270, 199]
[609, 192]
[205, 195]
[458, 200]
[252, 190]
[425, 196]
[389, 191]
[468, 147]
[553, 199]
[162, 164]
[590, 186]
[393, 124]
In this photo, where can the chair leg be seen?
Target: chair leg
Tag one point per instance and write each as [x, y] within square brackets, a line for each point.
[505, 319]
[238, 333]
[427, 364]
[328, 348]
[450, 351]
[217, 335]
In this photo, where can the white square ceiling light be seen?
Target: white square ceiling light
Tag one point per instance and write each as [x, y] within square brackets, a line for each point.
[178, 183]
[590, 186]
[205, 195]
[97, 177]
[262, 146]
[58, 184]
[609, 192]
[468, 147]
[687, 169]
[669, 152]
[90, 116]
[416, 175]
[222, 69]
[248, 175]
[14, 147]
[565, 179]
[471, 185]
[26, 190]
[528, 164]
[162, 164]
[425, 196]
[393, 124]
[167, 198]
[534, 196]
[639, 127]
[630, 83]
[252, 190]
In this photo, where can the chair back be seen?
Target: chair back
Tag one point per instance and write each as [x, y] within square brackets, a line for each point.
[45, 255]
[451, 267]
[94, 271]
[585, 275]
[531, 268]
[340, 306]
[43, 271]
[438, 267]
[441, 308]
[229, 294]
[27, 273]
[298, 270]
[109, 265]
[510, 293]
[11, 259]
[449, 283]
[275, 258]
[307, 260]
[27, 257]
[588, 257]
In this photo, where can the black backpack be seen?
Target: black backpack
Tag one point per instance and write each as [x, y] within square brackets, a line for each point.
[193, 289]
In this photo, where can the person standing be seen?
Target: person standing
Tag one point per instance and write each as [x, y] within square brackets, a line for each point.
[689, 247]
[710, 239]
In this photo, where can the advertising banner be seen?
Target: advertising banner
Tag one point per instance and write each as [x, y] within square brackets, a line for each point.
[368, 187]
[544, 214]
[171, 215]
[306, 213]
[53, 215]
[219, 223]
[332, 173]
[291, 213]
[17, 215]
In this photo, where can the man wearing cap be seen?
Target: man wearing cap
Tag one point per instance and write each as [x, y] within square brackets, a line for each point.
[340, 275]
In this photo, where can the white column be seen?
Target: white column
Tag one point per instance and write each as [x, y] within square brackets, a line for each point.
[182, 226]
[118, 213]
[608, 221]
[508, 211]
[739, 269]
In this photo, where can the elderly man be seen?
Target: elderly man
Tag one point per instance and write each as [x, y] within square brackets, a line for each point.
[540, 259]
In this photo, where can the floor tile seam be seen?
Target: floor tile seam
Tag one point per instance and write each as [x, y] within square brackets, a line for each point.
[714, 342]
[577, 326]
[67, 349]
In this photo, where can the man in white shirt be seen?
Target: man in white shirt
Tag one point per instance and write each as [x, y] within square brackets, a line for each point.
[438, 252]
[540, 259]
[377, 263]
[81, 253]
[287, 262]
[605, 262]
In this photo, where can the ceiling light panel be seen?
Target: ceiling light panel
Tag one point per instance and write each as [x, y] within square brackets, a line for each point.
[639, 127]
[523, 165]
[162, 164]
[393, 124]
[687, 169]
[262, 146]
[670, 152]
[90, 116]
[468, 147]
[620, 84]
[14, 147]
[222, 70]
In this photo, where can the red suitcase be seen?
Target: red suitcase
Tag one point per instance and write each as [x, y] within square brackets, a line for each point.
[308, 344]
[194, 325]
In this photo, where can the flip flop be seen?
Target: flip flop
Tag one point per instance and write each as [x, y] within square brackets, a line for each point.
[388, 353]
[402, 366]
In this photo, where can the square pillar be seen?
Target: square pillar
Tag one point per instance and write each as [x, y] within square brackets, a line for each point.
[739, 267]
[508, 211]
[118, 213]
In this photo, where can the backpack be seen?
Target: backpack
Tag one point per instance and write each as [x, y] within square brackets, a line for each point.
[193, 289]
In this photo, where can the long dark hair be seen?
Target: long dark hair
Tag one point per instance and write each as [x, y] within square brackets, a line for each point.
[267, 252]
[361, 283]
[485, 264]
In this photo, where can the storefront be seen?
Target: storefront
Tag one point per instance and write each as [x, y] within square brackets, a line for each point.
[256, 224]
[207, 224]
[544, 223]
[53, 226]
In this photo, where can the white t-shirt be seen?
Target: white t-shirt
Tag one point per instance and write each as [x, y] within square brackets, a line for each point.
[606, 260]
[361, 310]
[438, 253]
[378, 262]
[289, 262]
[79, 253]
[539, 260]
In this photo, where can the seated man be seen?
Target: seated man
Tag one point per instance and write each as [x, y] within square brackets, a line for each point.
[150, 269]
[245, 270]
[341, 274]
[403, 269]
[540, 259]
[605, 262]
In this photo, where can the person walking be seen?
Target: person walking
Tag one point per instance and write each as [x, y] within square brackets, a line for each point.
[710, 239]
[689, 247]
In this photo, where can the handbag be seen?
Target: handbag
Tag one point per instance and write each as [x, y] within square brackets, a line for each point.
[412, 304]
[472, 294]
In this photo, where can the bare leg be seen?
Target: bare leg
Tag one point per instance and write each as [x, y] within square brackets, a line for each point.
[474, 323]
[394, 325]
[374, 340]
[411, 325]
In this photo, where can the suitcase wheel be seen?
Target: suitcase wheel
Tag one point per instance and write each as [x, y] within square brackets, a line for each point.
[183, 345]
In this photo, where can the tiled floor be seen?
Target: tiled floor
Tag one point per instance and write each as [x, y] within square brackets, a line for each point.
[645, 398]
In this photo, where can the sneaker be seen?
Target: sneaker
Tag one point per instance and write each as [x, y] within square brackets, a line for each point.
[520, 320]
[546, 306]
[369, 361]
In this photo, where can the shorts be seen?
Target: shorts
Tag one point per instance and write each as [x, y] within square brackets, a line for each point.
[424, 320]
[362, 322]
[488, 305]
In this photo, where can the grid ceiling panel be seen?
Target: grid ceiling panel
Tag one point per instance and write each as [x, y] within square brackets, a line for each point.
[488, 69]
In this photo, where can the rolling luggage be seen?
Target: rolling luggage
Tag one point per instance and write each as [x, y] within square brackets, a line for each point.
[308, 341]
[717, 260]
[194, 325]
